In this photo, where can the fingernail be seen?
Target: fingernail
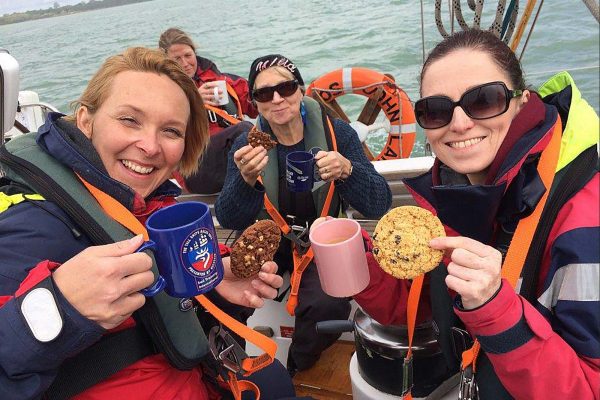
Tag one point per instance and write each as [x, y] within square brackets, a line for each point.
[136, 239]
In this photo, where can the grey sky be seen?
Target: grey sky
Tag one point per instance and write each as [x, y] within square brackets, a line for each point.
[11, 6]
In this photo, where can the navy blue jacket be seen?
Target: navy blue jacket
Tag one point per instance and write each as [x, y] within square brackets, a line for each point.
[32, 232]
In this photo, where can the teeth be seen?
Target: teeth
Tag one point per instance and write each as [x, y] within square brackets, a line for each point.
[465, 143]
[137, 168]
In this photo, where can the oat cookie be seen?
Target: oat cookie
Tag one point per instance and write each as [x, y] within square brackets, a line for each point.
[258, 138]
[257, 245]
[401, 242]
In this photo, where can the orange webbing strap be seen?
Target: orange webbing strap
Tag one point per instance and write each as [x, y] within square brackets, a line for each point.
[237, 387]
[251, 364]
[411, 320]
[519, 246]
[223, 114]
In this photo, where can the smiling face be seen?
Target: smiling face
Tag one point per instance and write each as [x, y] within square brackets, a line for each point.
[466, 145]
[280, 110]
[184, 55]
[139, 133]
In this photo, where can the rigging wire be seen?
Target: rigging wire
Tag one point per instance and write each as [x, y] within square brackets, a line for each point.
[537, 14]
[422, 32]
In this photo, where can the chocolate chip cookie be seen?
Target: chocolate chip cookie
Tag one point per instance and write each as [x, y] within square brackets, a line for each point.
[258, 138]
[401, 242]
[257, 245]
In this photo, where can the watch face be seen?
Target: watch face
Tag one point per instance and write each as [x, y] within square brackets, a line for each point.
[41, 314]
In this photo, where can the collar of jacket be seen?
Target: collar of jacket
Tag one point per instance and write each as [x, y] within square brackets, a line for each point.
[206, 70]
[67, 144]
[474, 210]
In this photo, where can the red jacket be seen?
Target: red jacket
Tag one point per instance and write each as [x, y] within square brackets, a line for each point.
[207, 72]
[554, 349]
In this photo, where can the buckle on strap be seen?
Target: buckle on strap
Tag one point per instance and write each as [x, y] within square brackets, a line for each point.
[467, 389]
[226, 351]
[407, 375]
[298, 234]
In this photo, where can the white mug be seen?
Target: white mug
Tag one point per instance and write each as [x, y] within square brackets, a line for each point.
[220, 98]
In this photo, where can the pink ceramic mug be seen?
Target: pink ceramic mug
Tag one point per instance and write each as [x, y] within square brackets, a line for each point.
[340, 257]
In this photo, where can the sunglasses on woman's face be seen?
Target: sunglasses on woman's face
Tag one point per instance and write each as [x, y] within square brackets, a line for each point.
[284, 89]
[481, 102]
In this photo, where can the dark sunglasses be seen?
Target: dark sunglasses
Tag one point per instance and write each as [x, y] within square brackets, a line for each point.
[284, 89]
[481, 102]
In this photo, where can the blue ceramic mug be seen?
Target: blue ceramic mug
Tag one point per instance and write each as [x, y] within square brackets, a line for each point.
[301, 170]
[185, 246]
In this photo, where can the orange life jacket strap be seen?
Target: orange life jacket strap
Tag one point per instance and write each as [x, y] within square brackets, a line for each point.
[235, 97]
[412, 307]
[300, 261]
[519, 246]
[251, 364]
[223, 114]
[238, 386]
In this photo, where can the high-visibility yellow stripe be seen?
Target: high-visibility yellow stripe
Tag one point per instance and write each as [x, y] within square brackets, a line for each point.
[582, 127]
[7, 201]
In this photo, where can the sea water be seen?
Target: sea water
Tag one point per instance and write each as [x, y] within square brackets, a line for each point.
[59, 55]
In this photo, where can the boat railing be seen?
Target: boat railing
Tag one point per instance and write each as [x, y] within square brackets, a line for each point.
[392, 170]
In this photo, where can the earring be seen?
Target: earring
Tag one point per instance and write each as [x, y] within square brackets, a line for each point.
[303, 112]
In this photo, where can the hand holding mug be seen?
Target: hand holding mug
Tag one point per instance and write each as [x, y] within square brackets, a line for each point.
[251, 161]
[250, 292]
[103, 283]
[332, 165]
[474, 272]
[214, 93]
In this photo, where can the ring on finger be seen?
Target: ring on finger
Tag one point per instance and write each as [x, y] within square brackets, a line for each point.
[243, 162]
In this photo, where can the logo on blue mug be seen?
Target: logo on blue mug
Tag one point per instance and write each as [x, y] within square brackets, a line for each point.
[198, 253]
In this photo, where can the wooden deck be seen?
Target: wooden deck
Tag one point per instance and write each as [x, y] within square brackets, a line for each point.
[327, 380]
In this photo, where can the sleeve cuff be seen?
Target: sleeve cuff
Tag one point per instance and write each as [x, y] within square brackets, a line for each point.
[497, 315]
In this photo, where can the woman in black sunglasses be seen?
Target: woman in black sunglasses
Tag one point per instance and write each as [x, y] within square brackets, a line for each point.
[494, 140]
[298, 123]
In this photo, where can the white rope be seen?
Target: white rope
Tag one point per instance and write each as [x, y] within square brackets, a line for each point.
[477, 6]
[348, 89]
[593, 6]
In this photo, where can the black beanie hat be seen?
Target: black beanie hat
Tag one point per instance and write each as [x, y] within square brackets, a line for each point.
[272, 60]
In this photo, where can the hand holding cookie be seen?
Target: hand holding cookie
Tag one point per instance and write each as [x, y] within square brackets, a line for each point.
[250, 292]
[401, 242]
[250, 161]
[474, 272]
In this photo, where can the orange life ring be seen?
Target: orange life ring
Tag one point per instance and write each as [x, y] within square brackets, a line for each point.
[393, 101]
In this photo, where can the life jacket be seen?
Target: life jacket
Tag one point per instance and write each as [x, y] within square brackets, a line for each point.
[178, 334]
[318, 132]
[577, 165]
